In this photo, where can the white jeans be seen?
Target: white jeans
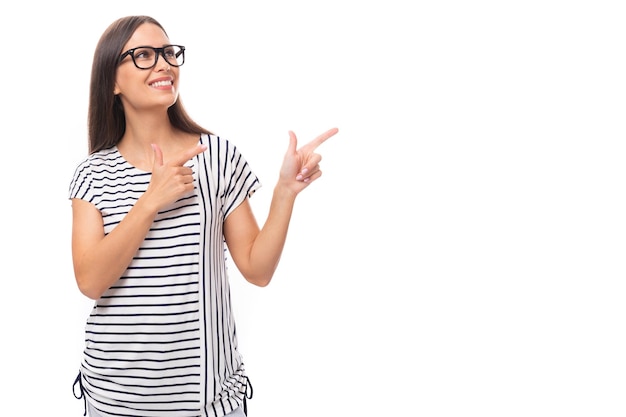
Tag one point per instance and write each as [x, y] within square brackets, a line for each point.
[237, 413]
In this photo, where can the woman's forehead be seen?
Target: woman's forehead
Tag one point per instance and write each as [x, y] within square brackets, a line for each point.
[148, 34]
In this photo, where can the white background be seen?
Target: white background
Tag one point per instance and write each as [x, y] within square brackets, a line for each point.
[463, 253]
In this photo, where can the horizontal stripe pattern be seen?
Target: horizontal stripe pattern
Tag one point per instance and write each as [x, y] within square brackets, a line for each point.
[162, 341]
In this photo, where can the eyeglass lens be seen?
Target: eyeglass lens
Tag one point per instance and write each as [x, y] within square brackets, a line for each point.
[147, 57]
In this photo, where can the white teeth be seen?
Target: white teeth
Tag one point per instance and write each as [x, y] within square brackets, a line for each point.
[161, 83]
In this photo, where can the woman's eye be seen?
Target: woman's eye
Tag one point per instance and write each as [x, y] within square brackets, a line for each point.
[144, 54]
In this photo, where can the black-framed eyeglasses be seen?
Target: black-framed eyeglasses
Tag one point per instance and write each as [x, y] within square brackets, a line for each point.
[146, 57]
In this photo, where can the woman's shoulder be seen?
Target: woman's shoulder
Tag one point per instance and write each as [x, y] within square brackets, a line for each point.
[110, 156]
[101, 154]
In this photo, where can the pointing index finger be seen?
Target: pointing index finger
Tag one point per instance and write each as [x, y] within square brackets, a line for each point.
[323, 137]
[185, 156]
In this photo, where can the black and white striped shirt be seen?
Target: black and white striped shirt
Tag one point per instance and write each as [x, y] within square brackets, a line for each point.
[161, 341]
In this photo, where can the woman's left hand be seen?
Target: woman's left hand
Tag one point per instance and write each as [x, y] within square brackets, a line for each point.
[301, 166]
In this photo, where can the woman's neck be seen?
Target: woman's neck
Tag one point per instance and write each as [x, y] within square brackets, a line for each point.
[136, 143]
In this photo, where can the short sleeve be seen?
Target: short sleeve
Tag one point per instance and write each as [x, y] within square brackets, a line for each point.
[233, 179]
[81, 184]
[241, 182]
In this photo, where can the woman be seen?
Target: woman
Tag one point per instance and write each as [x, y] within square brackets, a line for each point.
[153, 205]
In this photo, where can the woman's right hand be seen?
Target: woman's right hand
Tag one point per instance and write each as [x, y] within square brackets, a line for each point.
[170, 180]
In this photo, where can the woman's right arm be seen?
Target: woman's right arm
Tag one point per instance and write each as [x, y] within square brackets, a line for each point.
[100, 260]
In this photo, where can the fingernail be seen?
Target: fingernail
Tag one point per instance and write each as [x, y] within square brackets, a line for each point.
[299, 177]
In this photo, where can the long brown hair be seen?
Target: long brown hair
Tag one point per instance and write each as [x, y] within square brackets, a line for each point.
[106, 119]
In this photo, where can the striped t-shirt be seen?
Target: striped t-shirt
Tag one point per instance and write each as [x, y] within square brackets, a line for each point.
[162, 341]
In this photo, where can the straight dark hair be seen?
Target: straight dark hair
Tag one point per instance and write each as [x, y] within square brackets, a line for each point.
[106, 120]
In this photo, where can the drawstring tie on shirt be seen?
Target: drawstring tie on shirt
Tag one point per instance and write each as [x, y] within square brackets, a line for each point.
[245, 395]
[79, 381]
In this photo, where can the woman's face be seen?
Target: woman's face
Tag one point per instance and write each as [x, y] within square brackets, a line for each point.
[146, 89]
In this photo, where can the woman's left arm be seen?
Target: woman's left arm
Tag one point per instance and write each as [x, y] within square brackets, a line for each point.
[257, 251]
